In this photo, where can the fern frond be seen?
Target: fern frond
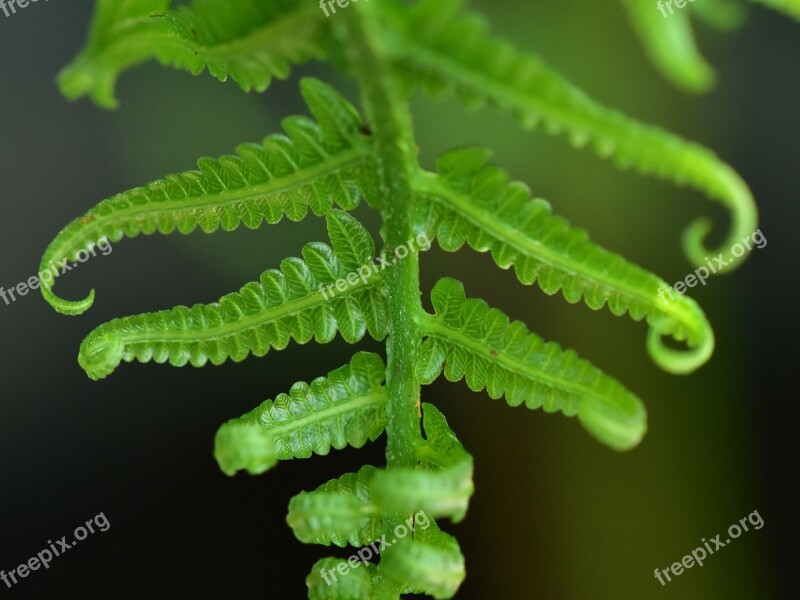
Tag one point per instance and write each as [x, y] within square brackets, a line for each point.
[338, 512]
[441, 50]
[324, 165]
[671, 46]
[429, 563]
[441, 487]
[285, 304]
[790, 8]
[473, 203]
[313, 166]
[467, 339]
[346, 408]
[249, 40]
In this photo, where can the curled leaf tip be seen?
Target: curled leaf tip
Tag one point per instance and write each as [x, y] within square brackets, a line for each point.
[66, 307]
[733, 250]
[680, 362]
[100, 354]
[244, 446]
[620, 426]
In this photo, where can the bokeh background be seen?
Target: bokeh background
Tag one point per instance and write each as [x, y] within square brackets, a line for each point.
[555, 514]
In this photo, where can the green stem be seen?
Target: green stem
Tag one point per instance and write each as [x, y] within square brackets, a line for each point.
[390, 119]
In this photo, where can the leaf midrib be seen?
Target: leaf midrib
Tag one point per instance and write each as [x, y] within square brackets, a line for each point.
[262, 38]
[331, 411]
[331, 164]
[444, 332]
[268, 315]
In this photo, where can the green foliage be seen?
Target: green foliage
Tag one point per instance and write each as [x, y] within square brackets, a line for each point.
[671, 46]
[357, 585]
[670, 43]
[391, 48]
[430, 563]
[348, 407]
[441, 484]
[315, 165]
[338, 512]
[249, 40]
[669, 39]
[440, 49]
[468, 340]
[470, 202]
[245, 446]
[358, 509]
[284, 305]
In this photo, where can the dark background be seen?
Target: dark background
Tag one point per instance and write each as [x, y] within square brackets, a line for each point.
[555, 514]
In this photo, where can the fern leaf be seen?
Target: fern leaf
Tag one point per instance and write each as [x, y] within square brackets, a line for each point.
[346, 408]
[441, 487]
[312, 166]
[441, 448]
[430, 563]
[470, 202]
[790, 8]
[467, 339]
[442, 50]
[670, 44]
[354, 245]
[285, 304]
[443, 493]
[325, 582]
[338, 512]
[249, 40]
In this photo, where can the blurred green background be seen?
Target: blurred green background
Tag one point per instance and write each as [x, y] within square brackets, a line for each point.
[555, 514]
